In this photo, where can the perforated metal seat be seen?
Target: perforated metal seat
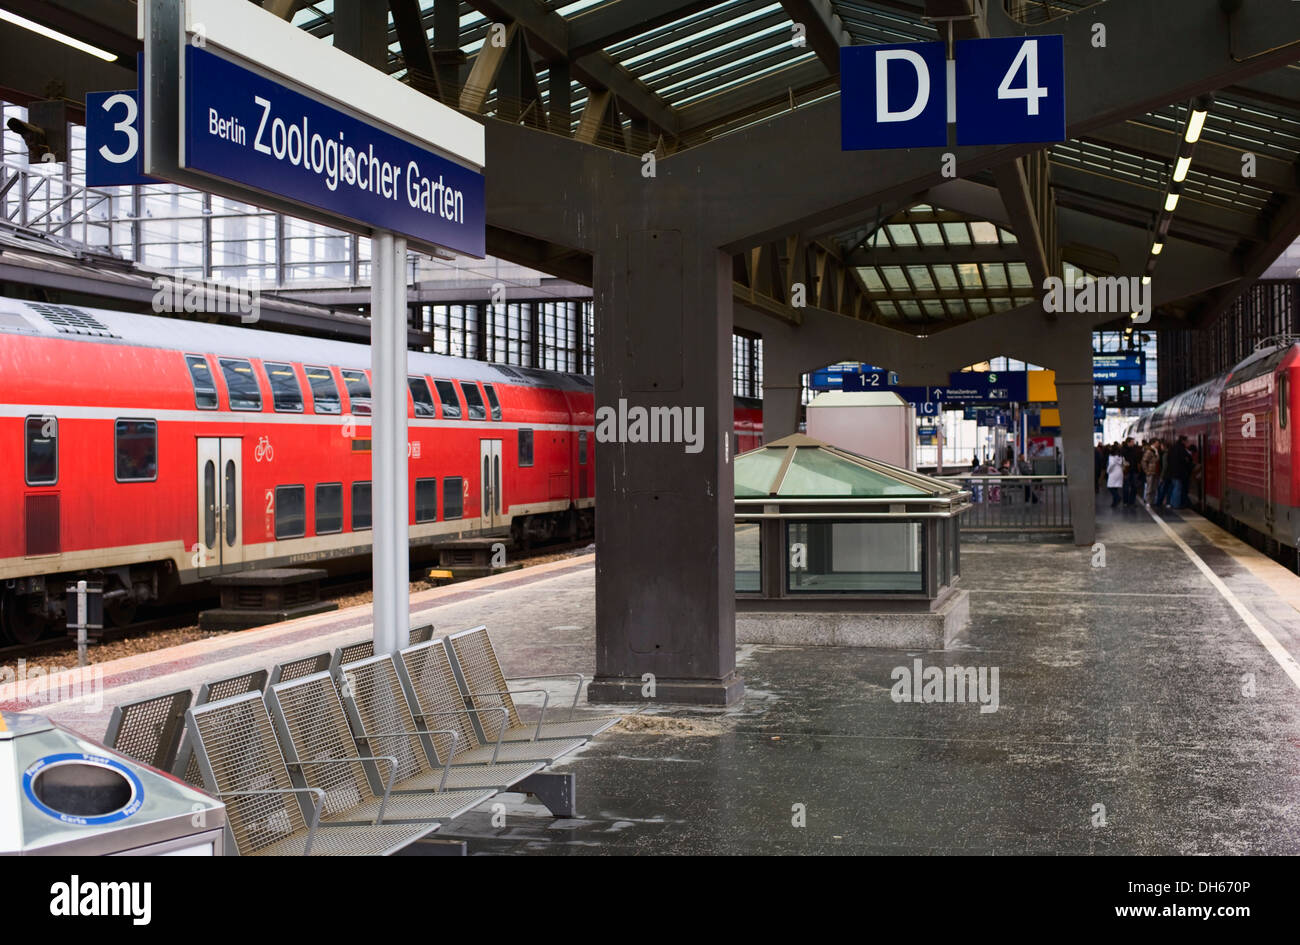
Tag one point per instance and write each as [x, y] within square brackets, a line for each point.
[267, 815]
[479, 674]
[187, 765]
[321, 753]
[364, 649]
[437, 698]
[296, 669]
[149, 730]
[376, 701]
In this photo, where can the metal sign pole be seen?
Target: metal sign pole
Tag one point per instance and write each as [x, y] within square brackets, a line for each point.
[81, 623]
[391, 557]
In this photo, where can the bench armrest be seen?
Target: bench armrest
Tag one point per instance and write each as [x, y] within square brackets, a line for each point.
[505, 720]
[455, 737]
[546, 698]
[582, 680]
[392, 773]
[315, 811]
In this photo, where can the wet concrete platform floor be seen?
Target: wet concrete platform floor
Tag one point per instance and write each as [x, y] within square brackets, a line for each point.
[1137, 714]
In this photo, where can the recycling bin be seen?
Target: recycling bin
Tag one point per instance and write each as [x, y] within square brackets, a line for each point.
[64, 795]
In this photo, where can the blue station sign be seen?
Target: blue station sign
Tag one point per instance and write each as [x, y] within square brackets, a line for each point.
[113, 153]
[243, 127]
[1003, 90]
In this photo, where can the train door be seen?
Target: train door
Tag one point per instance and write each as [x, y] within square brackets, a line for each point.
[220, 488]
[490, 466]
[1199, 482]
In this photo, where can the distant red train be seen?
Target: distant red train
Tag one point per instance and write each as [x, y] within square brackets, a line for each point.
[153, 454]
[1244, 424]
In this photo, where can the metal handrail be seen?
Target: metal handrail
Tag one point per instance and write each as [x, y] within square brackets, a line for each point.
[315, 815]
[446, 767]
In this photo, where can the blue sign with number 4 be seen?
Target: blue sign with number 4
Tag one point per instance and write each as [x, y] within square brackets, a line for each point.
[1010, 90]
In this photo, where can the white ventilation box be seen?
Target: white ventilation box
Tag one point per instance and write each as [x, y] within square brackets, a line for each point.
[876, 424]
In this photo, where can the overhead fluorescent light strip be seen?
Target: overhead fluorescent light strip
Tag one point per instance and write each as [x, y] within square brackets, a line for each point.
[55, 35]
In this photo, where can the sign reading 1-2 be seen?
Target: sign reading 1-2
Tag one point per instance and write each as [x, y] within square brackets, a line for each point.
[1007, 90]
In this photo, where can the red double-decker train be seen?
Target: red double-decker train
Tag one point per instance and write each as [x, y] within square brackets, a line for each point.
[1244, 426]
[153, 454]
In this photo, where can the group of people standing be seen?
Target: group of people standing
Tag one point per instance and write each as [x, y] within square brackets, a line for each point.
[1158, 472]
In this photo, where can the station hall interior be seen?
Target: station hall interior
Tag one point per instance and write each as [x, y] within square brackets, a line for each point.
[812, 399]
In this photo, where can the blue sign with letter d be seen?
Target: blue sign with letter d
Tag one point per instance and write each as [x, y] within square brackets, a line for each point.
[893, 96]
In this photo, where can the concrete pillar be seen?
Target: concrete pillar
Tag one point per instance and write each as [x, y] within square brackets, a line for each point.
[782, 397]
[665, 602]
[1072, 362]
[1075, 401]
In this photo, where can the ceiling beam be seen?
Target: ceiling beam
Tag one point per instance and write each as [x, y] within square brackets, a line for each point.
[613, 23]
[1211, 157]
[1148, 201]
[1158, 52]
[549, 33]
[936, 255]
[1284, 229]
[824, 31]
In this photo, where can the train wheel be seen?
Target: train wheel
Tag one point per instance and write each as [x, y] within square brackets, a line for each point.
[120, 612]
[18, 624]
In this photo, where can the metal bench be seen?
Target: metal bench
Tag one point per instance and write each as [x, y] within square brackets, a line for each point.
[296, 669]
[266, 814]
[478, 672]
[186, 766]
[364, 649]
[149, 731]
[434, 694]
[321, 753]
[375, 699]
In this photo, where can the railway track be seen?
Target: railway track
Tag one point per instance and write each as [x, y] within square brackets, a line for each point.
[184, 617]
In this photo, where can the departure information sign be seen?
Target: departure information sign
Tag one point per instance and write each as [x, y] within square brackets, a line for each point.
[1127, 368]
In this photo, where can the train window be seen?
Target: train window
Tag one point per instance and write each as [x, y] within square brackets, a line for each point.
[241, 382]
[582, 447]
[422, 398]
[453, 497]
[358, 392]
[426, 500]
[42, 451]
[492, 399]
[360, 506]
[329, 507]
[286, 395]
[209, 504]
[290, 511]
[135, 446]
[473, 401]
[205, 389]
[230, 513]
[1283, 399]
[450, 404]
[525, 447]
[324, 392]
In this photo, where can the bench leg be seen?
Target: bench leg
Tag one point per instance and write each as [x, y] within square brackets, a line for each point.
[559, 792]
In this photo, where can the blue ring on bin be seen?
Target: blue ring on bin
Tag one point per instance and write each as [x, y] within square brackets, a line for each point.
[131, 806]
